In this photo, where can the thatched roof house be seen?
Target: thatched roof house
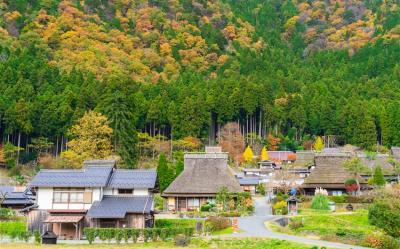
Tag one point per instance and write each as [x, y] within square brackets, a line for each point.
[203, 177]
[328, 173]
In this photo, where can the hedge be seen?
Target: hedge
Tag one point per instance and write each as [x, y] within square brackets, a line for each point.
[148, 234]
[14, 230]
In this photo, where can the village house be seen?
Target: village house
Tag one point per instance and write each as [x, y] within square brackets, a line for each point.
[203, 177]
[17, 198]
[98, 195]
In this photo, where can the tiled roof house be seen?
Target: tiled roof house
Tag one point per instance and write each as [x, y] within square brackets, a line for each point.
[98, 195]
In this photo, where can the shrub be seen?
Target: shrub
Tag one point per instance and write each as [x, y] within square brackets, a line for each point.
[218, 223]
[320, 202]
[261, 189]
[147, 234]
[380, 241]
[295, 224]
[118, 234]
[174, 223]
[385, 214]
[12, 228]
[126, 234]
[280, 208]
[339, 198]
[205, 208]
[135, 233]
[36, 235]
[181, 240]
[6, 213]
[89, 232]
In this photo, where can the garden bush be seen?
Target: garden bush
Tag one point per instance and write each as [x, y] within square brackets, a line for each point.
[385, 214]
[181, 240]
[148, 234]
[174, 223]
[381, 241]
[12, 228]
[320, 202]
[36, 235]
[295, 224]
[218, 223]
[339, 198]
[90, 234]
[280, 208]
[6, 213]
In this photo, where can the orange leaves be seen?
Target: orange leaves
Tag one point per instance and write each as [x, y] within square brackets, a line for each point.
[11, 16]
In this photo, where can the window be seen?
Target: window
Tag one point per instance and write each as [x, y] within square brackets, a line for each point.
[123, 191]
[65, 195]
[193, 203]
[337, 193]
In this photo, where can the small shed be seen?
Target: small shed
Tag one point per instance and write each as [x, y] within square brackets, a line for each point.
[49, 238]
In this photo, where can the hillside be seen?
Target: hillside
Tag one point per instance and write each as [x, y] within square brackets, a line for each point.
[294, 69]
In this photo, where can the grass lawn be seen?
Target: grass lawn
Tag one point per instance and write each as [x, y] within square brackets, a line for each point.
[348, 228]
[196, 243]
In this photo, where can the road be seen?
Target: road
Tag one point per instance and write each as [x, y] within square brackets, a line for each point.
[253, 226]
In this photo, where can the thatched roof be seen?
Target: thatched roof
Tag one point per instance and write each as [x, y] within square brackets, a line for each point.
[203, 175]
[328, 171]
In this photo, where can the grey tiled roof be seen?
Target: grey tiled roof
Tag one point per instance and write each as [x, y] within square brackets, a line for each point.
[119, 206]
[249, 181]
[133, 179]
[91, 176]
[13, 197]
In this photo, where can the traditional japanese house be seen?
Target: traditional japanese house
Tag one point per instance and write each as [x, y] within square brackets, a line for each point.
[98, 195]
[204, 175]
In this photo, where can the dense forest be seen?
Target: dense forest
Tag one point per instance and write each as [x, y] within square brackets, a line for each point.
[294, 69]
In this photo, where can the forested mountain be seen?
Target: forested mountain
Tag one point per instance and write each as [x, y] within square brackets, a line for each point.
[186, 67]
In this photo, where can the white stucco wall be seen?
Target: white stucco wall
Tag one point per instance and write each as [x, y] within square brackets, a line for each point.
[45, 198]
[96, 194]
[137, 191]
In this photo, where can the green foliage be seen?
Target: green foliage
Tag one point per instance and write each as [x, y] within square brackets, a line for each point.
[247, 61]
[261, 189]
[280, 208]
[217, 223]
[164, 231]
[385, 214]
[36, 235]
[320, 202]
[13, 229]
[178, 167]
[6, 213]
[90, 234]
[174, 223]
[339, 198]
[165, 173]
[378, 179]
[181, 240]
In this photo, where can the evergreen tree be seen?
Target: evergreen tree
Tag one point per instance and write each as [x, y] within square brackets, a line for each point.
[178, 167]
[163, 172]
[378, 178]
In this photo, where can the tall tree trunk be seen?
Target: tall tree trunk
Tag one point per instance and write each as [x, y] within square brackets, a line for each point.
[56, 146]
[171, 142]
[19, 144]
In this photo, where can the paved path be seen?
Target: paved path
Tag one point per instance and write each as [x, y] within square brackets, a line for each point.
[253, 226]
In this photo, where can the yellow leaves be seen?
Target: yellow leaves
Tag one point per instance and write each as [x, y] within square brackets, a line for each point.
[264, 154]
[11, 16]
[248, 155]
[165, 49]
[91, 139]
[222, 59]
[291, 22]
[319, 144]
[229, 32]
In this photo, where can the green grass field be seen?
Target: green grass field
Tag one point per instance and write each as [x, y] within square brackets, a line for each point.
[341, 227]
[195, 243]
